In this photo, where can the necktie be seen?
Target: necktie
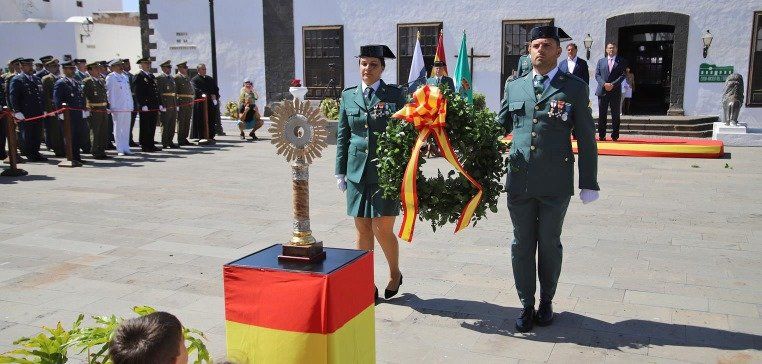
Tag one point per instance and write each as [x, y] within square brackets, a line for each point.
[368, 94]
[539, 84]
[611, 64]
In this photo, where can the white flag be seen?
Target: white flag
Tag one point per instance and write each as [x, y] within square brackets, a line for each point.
[417, 68]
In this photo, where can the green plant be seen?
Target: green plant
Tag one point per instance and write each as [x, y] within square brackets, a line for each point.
[476, 138]
[231, 109]
[330, 108]
[93, 340]
[480, 101]
[48, 347]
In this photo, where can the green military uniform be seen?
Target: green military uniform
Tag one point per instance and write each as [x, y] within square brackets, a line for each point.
[166, 85]
[524, 66]
[540, 179]
[185, 92]
[54, 130]
[359, 121]
[94, 90]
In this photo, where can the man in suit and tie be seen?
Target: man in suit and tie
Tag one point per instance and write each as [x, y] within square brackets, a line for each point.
[574, 65]
[147, 94]
[609, 73]
[440, 76]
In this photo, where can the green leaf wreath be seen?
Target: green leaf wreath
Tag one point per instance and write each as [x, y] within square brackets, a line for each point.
[475, 136]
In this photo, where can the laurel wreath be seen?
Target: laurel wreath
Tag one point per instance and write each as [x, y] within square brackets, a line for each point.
[475, 136]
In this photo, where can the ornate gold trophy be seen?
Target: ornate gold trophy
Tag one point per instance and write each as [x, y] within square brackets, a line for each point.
[299, 133]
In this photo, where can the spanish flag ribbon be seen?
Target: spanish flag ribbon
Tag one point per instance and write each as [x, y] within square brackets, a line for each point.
[427, 112]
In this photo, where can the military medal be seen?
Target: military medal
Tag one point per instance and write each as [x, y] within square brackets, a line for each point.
[552, 111]
[561, 111]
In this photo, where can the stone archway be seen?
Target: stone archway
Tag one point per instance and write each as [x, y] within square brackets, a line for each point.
[680, 22]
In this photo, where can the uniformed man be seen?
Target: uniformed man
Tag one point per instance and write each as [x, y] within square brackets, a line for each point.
[68, 90]
[126, 70]
[204, 85]
[524, 64]
[104, 71]
[81, 73]
[149, 101]
[166, 85]
[44, 69]
[14, 68]
[184, 98]
[26, 100]
[94, 90]
[440, 77]
[53, 132]
[541, 109]
[120, 100]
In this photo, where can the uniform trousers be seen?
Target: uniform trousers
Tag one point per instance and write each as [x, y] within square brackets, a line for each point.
[168, 121]
[537, 224]
[29, 131]
[3, 128]
[99, 131]
[147, 129]
[122, 131]
[183, 122]
[604, 103]
[54, 135]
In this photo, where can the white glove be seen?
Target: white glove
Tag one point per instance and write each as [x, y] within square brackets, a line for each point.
[177, 108]
[144, 108]
[60, 117]
[18, 116]
[588, 196]
[108, 111]
[85, 114]
[341, 182]
[214, 102]
[162, 108]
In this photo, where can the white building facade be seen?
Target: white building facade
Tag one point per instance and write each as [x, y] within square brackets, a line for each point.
[316, 41]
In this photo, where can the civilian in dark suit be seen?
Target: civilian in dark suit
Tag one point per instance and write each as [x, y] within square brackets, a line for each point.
[609, 73]
[574, 65]
[147, 95]
[25, 92]
[204, 85]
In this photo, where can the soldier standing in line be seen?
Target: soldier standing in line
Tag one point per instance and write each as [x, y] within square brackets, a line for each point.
[53, 132]
[81, 73]
[94, 90]
[166, 85]
[26, 100]
[5, 80]
[184, 98]
[149, 101]
[120, 101]
[68, 90]
[44, 70]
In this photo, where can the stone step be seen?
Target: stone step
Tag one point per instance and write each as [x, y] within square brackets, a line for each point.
[667, 127]
[667, 133]
[663, 119]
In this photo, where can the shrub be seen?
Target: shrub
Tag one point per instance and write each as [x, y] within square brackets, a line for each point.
[330, 108]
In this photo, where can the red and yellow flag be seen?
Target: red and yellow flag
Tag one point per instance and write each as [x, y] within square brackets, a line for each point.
[427, 112]
[440, 54]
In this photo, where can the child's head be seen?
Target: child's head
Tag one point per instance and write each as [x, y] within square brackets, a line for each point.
[154, 338]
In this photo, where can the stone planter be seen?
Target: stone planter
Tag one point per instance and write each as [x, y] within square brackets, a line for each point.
[298, 92]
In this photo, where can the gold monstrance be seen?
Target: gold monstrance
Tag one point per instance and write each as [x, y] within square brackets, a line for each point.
[299, 132]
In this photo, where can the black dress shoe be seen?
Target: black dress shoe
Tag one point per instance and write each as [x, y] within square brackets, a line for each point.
[183, 142]
[36, 158]
[376, 296]
[388, 293]
[156, 149]
[525, 322]
[101, 157]
[545, 314]
[602, 139]
[133, 144]
[110, 147]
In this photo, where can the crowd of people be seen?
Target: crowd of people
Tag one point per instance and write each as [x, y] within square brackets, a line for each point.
[103, 100]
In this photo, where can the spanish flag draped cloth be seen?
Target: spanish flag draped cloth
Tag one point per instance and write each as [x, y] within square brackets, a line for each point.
[427, 112]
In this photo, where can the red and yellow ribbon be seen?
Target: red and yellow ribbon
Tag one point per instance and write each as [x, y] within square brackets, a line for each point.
[427, 112]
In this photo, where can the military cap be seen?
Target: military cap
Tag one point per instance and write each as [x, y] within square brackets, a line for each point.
[126, 60]
[52, 62]
[26, 60]
[79, 60]
[439, 64]
[116, 62]
[166, 63]
[548, 31]
[93, 65]
[183, 64]
[15, 60]
[377, 51]
[39, 64]
[46, 59]
[143, 60]
[68, 64]
[103, 63]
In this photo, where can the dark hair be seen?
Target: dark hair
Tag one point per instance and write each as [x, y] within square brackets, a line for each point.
[572, 45]
[383, 62]
[153, 338]
[611, 43]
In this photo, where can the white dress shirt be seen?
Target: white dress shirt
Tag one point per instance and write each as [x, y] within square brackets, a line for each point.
[550, 75]
[571, 63]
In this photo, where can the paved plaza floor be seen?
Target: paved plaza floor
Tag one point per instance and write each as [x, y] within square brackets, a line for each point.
[665, 267]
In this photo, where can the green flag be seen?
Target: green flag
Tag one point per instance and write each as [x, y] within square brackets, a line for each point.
[463, 73]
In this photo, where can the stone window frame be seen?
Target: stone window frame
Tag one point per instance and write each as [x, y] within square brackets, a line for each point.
[428, 47]
[756, 37]
[527, 22]
[319, 66]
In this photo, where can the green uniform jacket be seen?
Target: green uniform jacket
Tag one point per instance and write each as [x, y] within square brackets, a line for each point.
[445, 79]
[47, 91]
[356, 137]
[541, 158]
[95, 92]
[524, 66]
[183, 88]
[167, 91]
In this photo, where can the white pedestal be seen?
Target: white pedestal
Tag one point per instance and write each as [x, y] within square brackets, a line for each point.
[737, 135]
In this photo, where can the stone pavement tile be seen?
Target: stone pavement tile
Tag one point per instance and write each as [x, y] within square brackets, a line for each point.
[202, 250]
[746, 324]
[75, 285]
[7, 274]
[735, 283]
[598, 293]
[71, 301]
[733, 308]
[133, 232]
[667, 300]
[109, 306]
[586, 279]
[637, 283]
[443, 337]
[648, 274]
[140, 280]
[700, 319]
[450, 355]
[516, 347]
[65, 317]
[706, 243]
[396, 313]
[574, 353]
[28, 295]
[61, 244]
[16, 331]
[153, 255]
[680, 351]
[20, 313]
[621, 325]
[723, 293]
[615, 357]
[626, 310]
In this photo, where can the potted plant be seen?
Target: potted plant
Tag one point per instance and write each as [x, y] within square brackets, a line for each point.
[297, 90]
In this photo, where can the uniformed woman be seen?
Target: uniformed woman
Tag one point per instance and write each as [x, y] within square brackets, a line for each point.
[364, 111]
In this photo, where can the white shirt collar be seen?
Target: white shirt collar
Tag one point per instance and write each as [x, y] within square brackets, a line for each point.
[550, 74]
[374, 86]
[573, 60]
